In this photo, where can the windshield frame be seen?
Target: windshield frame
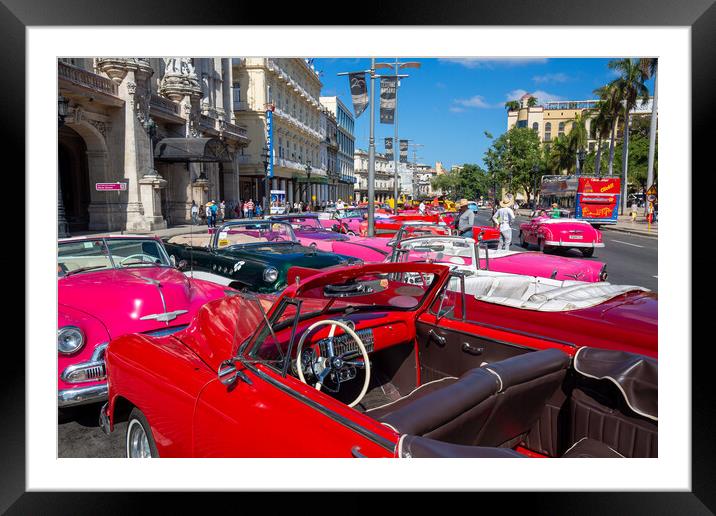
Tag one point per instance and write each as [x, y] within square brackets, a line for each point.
[214, 242]
[115, 265]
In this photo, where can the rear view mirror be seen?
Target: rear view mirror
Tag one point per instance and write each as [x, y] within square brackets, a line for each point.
[182, 265]
[227, 373]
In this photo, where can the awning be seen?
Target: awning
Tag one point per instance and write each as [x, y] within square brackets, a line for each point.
[191, 150]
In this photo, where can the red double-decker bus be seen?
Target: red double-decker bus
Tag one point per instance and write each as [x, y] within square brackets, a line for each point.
[590, 198]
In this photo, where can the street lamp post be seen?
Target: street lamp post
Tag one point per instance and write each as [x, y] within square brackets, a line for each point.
[266, 157]
[535, 169]
[63, 229]
[308, 179]
[398, 66]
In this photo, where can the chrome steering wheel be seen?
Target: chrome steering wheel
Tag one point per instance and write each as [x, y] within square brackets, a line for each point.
[322, 367]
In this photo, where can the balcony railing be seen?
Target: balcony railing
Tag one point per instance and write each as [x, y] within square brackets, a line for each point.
[82, 77]
[165, 104]
[237, 130]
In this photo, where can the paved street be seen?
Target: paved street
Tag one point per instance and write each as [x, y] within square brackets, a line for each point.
[79, 435]
[631, 259]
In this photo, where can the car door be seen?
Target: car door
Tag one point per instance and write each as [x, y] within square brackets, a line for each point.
[266, 415]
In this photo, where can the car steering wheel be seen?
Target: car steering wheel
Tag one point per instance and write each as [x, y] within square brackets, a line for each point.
[333, 363]
[141, 256]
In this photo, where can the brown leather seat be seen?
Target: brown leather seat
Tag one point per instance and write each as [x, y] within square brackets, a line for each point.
[526, 382]
[451, 409]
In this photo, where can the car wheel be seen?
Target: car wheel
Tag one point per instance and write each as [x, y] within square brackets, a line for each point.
[587, 252]
[351, 233]
[523, 242]
[140, 442]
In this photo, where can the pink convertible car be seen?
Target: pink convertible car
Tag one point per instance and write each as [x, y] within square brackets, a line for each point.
[465, 254]
[310, 232]
[549, 234]
[107, 287]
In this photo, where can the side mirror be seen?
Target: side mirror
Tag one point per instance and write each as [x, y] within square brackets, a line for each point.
[227, 373]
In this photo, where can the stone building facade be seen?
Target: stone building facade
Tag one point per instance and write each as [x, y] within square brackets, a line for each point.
[346, 180]
[162, 126]
[384, 177]
[291, 88]
[329, 150]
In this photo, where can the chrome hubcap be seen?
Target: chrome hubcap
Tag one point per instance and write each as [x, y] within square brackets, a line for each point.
[137, 442]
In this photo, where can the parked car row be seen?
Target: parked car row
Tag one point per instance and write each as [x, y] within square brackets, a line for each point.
[295, 321]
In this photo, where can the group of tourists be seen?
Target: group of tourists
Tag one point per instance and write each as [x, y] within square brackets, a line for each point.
[503, 218]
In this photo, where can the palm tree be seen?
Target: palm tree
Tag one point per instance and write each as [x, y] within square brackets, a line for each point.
[561, 156]
[512, 105]
[601, 125]
[532, 101]
[610, 99]
[578, 134]
[649, 67]
[631, 84]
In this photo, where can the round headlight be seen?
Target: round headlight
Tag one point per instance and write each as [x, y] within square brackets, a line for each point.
[270, 274]
[69, 340]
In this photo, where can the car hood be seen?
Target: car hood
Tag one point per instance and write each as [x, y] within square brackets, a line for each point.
[286, 255]
[538, 264]
[121, 298]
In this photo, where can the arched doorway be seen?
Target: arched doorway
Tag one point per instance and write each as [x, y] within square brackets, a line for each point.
[74, 178]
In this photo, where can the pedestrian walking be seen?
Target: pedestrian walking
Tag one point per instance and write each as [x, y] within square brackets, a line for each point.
[634, 209]
[504, 218]
[249, 209]
[465, 219]
[214, 213]
[194, 213]
[222, 211]
[259, 211]
[208, 214]
[421, 208]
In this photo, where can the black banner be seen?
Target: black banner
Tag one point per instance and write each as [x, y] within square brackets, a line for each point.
[403, 151]
[359, 92]
[387, 99]
[389, 149]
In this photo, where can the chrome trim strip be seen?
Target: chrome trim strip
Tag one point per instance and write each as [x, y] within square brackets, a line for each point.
[572, 243]
[380, 441]
[81, 396]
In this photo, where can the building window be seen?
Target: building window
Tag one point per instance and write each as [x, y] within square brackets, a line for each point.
[236, 90]
[561, 129]
[535, 127]
[548, 131]
[591, 146]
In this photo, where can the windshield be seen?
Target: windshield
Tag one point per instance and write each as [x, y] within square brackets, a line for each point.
[352, 213]
[369, 292]
[258, 232]
[305, 224]
[106, 253]
[456, 251]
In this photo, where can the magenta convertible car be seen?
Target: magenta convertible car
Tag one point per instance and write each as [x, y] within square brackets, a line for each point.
[110, 286]
[310, 231]
[551, 234]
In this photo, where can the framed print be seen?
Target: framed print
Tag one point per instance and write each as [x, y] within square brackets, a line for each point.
[278, 135]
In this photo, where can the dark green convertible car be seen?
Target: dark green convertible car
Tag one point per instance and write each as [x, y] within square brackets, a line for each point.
[254, 254]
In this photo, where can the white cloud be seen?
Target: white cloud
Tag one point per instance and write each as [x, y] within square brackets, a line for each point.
[540, 95]
[492, 62]
[476, 101]
[551, 77]
[456, 109]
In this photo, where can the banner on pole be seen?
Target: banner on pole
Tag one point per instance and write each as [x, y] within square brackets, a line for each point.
[389, 149]
[269, 141]
[403, 151]
[387, 99]
[359, 92]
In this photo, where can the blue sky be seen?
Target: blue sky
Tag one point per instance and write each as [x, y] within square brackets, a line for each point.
[447, 104]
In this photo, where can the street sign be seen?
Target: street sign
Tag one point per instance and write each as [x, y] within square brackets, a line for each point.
[103, 187]
[651, 198]
[651, 190]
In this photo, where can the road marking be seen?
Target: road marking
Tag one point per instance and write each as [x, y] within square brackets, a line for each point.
[627, 243]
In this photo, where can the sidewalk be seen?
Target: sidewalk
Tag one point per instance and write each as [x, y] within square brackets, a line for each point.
[200, 228]
[623, 225]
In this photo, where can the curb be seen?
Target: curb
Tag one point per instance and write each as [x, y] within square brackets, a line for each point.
[639, 232]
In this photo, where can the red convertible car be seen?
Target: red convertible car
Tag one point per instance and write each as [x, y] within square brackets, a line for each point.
[365, 361]
[108, 287]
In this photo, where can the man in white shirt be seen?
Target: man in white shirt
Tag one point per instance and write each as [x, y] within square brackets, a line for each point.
[340, 205]
[503, 217]
[421, 208]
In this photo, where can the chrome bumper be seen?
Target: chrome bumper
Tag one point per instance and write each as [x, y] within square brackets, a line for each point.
[82, 396]
[571, 243]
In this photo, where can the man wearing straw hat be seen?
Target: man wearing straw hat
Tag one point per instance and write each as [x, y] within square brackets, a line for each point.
[503, 218]
[465, 219]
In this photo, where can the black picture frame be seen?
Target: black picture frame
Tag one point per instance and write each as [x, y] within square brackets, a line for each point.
[699, 15]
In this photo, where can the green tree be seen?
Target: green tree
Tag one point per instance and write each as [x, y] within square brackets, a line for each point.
[610, 98]
[560, 156]
[532, 101]
[512, 105]
[577, 138]
[650, 68]
[512, 158]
